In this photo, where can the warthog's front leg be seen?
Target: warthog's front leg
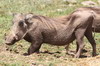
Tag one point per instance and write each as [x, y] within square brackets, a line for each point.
[34, 48]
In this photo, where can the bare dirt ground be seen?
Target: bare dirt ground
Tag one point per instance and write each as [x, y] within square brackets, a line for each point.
[47, 58]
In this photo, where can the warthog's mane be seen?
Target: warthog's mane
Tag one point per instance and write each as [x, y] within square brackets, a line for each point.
[61, 19]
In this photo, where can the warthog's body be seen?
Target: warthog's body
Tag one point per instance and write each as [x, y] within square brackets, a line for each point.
[40, 29]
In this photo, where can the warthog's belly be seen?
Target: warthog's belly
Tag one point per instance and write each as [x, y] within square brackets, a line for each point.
[59, 39]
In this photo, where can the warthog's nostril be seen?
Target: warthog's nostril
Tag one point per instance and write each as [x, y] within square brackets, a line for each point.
[16, 38]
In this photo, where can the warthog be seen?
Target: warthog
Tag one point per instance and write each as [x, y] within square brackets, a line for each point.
[38, 29]
[96, 21]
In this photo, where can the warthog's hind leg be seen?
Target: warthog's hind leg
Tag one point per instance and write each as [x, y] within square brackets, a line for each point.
[79, 33]
[90, 38]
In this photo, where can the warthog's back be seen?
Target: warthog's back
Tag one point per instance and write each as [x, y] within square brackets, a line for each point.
[55, 32]
[96, 22]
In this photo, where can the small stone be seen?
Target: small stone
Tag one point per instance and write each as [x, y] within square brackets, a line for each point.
[70, 1]
[59, 10]
[99, 1]
[47, 1]
[88, 3]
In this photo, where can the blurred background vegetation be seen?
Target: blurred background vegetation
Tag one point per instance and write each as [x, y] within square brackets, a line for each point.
[51, 8]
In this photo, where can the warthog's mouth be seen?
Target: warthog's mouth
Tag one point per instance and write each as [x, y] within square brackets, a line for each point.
[8, 43]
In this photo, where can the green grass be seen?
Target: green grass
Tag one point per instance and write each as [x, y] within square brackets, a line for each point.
[14, 56]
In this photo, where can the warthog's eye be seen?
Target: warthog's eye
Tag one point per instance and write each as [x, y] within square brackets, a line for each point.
[21, 23]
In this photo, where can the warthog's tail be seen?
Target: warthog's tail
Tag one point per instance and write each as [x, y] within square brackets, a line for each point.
[92, 23]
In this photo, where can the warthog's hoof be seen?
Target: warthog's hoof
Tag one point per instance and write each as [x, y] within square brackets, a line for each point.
[84, 50]
[26, 54]
[94, 54]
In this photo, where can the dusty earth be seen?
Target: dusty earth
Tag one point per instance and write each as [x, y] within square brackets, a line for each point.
[49, 56]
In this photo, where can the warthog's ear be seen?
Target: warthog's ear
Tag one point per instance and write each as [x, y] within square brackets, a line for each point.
[28, 17]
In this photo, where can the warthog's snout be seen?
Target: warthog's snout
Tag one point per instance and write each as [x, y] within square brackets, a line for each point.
[10, 40]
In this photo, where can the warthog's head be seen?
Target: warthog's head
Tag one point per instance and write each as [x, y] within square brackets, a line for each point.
[18, 29]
